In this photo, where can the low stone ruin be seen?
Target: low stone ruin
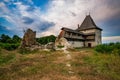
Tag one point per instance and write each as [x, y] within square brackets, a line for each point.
[50, 45]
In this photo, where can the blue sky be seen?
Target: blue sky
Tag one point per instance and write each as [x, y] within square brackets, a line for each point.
[48, 16]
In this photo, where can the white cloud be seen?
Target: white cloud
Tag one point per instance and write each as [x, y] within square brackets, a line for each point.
[64, 13]
[3, 8]
[111, 39]
[69, 13]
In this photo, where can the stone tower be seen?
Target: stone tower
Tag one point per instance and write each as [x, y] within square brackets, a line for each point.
[28, 38]
[92, 33]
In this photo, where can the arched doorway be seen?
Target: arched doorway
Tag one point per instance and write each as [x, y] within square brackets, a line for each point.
[89, 44]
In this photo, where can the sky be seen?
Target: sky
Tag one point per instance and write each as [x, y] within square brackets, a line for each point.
[47, 17]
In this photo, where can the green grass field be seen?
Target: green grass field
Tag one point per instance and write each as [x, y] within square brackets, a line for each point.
[78, 64]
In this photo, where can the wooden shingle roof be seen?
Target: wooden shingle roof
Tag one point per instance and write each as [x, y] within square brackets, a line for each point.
[71, 30]
[88, 23]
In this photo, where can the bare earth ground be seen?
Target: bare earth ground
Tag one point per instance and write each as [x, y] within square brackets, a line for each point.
[77, 64]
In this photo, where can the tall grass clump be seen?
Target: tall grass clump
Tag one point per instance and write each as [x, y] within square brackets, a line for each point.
[111, 48]
[27, 51]
[6, 58]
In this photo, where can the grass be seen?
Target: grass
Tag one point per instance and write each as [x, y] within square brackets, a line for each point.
[6, 59]
[51, 65]
[96, 66]
[109, 65]
[109, 48]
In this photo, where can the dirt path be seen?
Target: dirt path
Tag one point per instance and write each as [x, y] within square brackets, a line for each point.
[68, 64]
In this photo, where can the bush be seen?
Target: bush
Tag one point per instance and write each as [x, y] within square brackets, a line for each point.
[46, 39]
[9, 46]
[116, 51]
[113, 48]
[104, 48]
[9, 43]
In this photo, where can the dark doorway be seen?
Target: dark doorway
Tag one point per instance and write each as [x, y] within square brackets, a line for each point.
[89, 44]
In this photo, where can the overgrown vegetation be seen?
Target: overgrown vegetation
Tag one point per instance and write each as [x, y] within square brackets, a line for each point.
[86, 63]
[90, 65]
[46, 39]
[9, 43]
[105, 65]
[110, 48]
[4, 59]
[47, 65]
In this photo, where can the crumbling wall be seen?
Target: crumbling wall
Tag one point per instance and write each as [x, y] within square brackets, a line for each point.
[28, 38]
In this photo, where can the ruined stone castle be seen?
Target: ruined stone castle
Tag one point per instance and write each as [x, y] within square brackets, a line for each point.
[29, 38]
[88, 34]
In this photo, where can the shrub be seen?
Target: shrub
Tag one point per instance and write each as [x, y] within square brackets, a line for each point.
[113, 48]
[116, 52]
[9, 46]
[9, 43]
[46, 39]
[104, 48]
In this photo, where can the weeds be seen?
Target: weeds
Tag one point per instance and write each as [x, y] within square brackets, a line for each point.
[105, 64]
[113, 48]
[37, 65]
[4, 59]
[26, 51]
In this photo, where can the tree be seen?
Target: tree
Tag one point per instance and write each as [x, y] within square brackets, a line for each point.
[16, 39]
[5, 38]
[46, 39]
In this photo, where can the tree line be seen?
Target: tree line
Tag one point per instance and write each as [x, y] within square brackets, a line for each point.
[8, 43]
[46, 39]
[12, 43]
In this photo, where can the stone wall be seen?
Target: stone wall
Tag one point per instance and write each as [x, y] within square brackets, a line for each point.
[29, 38]
[76, 43]
[98, 37]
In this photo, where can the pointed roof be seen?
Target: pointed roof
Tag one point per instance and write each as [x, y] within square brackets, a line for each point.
[88, 23]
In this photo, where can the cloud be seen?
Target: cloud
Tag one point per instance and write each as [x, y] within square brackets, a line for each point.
[58, 14]
[111, 39]
[45, 25]
[69, 13]
[27, 20]
[3, 8]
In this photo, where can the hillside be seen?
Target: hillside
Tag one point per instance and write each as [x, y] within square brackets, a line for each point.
[76, 64]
